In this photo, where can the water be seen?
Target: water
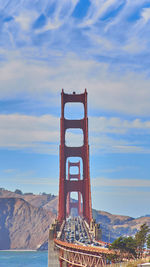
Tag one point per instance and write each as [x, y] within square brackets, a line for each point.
[23, 259]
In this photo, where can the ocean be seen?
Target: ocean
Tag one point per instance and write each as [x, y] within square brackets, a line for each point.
[23, 258]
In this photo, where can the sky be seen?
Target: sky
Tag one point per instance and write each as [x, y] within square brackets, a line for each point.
[101, 45]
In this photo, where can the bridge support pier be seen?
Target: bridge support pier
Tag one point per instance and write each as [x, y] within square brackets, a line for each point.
[63, 263]
[52, 252]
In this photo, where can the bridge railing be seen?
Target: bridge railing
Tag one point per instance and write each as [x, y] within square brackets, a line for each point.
[77, 257]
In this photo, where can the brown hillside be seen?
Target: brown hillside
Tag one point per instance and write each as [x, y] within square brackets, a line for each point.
[47, 201]
[52, 205]
[33, 213]
[114, 226]
[22, 226]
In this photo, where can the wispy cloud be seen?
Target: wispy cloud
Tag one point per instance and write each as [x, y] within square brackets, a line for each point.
[73, 44]
[98, 9]
[10, 171]
[146, 14]
[39, 134]
[115, 135]
[25, 19]
[102, 181]
[119, 126]
[128, 94]
[105, 144]
[47, 25]
[37, 181]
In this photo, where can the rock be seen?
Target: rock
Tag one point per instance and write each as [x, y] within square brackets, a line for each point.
[22, 226]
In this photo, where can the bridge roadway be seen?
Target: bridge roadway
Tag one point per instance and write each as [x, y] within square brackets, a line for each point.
[76, 231]
[77, 246]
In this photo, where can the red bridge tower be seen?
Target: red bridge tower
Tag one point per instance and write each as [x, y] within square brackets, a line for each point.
[77, 204]
[68, 185]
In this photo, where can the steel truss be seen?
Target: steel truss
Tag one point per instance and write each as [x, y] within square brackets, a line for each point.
[81, 259]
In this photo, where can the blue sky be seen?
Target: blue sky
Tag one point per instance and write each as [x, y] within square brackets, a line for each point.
[99, 45]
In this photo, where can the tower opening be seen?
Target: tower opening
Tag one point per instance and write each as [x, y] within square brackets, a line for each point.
[74, 111]
[74, 137]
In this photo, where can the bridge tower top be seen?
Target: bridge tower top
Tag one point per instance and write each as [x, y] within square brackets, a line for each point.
[82, 152]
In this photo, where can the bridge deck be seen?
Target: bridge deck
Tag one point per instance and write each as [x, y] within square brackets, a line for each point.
[85, 249]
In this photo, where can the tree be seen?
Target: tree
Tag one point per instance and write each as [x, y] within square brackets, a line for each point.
[130, 245]
[148, 241]
[141, 237]
[118, 244]
[18, 191]
[126, 245]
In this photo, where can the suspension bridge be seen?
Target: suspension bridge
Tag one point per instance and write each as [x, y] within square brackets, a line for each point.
[74, 239]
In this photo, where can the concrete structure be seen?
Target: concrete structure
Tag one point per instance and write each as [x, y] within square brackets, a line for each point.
[53, 256]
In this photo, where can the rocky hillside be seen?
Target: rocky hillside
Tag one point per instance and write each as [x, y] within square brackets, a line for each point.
[114, 226]
[25, 220]
[22, 226]
[39, 201]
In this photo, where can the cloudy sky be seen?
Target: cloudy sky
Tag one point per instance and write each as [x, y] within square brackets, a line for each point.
[101, 45]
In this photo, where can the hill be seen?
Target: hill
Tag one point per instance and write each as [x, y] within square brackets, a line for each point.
[114, 226]
[25, 220]
[22, 226]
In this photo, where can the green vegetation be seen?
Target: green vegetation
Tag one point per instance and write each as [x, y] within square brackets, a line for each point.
[148, 241]
[126, 246]
[18, 191]
[141, 239]
[133, 247]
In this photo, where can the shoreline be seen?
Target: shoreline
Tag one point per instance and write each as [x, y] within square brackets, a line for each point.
[18, 250]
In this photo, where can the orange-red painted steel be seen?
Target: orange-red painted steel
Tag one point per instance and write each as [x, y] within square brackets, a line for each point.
[77, 204]
[82, 186]
[89, 249]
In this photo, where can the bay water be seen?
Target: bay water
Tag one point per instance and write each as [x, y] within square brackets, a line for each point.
[23, 258]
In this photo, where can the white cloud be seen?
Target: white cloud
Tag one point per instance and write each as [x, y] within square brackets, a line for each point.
[62, 13]
[129, 9]
[48, 26]
[146, 14]
[59, 13]
[135, 38]
[74, 138]
[128, 93]
[98, 9]
[39, 134]
[25, 19]
[106, 144]
[102, 181]
[27, 77]
[111, 135]
[135, 44]
[118, 125]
